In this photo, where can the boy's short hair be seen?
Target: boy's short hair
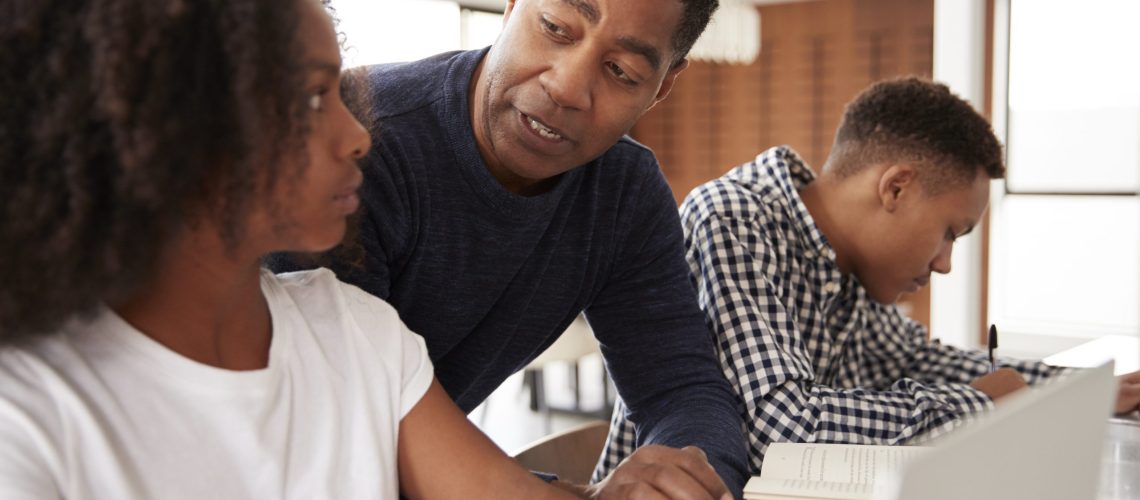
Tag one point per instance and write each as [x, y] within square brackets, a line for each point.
[921, 122]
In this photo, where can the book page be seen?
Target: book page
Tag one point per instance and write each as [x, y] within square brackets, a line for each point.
[837, 463]
[833, 471]
[771, 488]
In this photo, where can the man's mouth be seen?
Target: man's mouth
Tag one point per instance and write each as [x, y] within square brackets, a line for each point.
[541, 129]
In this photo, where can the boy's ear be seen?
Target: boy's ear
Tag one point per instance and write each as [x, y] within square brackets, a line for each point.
[895, 182]
[510, 7]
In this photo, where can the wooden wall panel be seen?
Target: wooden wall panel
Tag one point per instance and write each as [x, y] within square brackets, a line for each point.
[814, 57]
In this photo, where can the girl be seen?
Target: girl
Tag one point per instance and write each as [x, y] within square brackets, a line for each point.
[152, 151]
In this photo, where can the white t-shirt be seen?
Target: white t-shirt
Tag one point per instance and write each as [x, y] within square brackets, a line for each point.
[103, 411]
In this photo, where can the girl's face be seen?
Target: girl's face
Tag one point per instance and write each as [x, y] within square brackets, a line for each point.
[307, 212]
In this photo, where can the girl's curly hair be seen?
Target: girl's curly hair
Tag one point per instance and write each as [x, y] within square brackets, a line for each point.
[120, 121]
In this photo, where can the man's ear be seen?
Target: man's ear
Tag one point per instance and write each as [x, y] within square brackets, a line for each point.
[895, 182]
[667, 83]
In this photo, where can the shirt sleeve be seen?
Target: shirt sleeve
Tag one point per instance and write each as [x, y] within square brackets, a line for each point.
[901, 348]
[416, 370]
[657, 347]
[763, 355]
[404, 348]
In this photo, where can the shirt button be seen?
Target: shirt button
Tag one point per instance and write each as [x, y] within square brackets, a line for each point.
[831, 287]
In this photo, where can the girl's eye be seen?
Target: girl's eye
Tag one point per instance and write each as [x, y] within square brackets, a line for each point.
[316, 101]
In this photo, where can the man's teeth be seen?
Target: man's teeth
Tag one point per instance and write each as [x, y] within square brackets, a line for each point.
[542, 130]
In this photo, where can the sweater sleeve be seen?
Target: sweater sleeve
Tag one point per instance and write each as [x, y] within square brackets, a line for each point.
[656, 345]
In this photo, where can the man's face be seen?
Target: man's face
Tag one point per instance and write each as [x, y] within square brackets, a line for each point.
[904, 245]
[566, 79]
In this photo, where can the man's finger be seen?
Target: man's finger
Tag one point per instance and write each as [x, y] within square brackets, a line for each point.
[696, 463]
[679, 473]
[678, 484]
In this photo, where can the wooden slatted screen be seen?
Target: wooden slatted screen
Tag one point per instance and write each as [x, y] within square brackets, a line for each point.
[814, 57]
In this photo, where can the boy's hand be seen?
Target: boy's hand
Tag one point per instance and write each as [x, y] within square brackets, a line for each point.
[1000, 383]
[1128, 393]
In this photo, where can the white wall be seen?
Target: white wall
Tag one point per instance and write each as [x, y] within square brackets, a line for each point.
[959, 62]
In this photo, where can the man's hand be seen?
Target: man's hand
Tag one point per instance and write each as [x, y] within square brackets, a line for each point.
[1128, 393]
[661, 472]
[1000, 383]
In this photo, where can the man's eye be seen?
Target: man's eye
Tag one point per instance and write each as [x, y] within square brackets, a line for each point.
[621, 74]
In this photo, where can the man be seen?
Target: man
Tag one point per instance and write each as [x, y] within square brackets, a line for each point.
[796, 273]
[502, 199]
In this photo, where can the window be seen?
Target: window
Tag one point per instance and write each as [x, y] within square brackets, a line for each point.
[1065, 250]
[407, 30]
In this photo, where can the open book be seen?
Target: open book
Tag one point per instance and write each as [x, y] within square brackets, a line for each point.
[831, 471]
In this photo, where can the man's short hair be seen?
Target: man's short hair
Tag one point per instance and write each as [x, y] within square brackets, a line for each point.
[920, 122]
[694, 19]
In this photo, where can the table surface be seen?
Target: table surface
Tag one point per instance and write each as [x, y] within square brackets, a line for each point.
[1120, 468]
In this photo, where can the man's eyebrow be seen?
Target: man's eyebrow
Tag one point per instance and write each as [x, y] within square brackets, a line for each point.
[649, 52]
[586, 8]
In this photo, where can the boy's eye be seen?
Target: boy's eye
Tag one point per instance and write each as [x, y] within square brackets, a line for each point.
[554, 29]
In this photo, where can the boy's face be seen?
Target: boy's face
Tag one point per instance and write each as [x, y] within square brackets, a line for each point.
[913, 233]
[566, 79]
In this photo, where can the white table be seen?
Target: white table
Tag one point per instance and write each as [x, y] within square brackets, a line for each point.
[1120, 466]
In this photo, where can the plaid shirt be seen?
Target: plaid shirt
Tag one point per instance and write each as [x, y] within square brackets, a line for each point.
[812, 357]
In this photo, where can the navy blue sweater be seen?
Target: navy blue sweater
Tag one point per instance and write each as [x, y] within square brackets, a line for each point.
[490, 278]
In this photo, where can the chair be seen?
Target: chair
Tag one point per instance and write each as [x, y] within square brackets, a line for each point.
[574, 344]
[571, 454]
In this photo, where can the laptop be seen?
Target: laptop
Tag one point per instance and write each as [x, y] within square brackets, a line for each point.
[1043, 444]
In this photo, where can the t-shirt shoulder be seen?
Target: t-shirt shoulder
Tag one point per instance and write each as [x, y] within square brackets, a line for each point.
[397, 88]
[318, 293]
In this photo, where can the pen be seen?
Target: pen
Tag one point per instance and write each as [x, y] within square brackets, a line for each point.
[993, 345]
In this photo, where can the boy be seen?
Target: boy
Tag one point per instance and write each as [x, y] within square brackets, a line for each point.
[797, 274]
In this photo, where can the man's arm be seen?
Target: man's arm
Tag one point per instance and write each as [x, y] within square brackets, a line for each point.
[657, 347]
[764, 356]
